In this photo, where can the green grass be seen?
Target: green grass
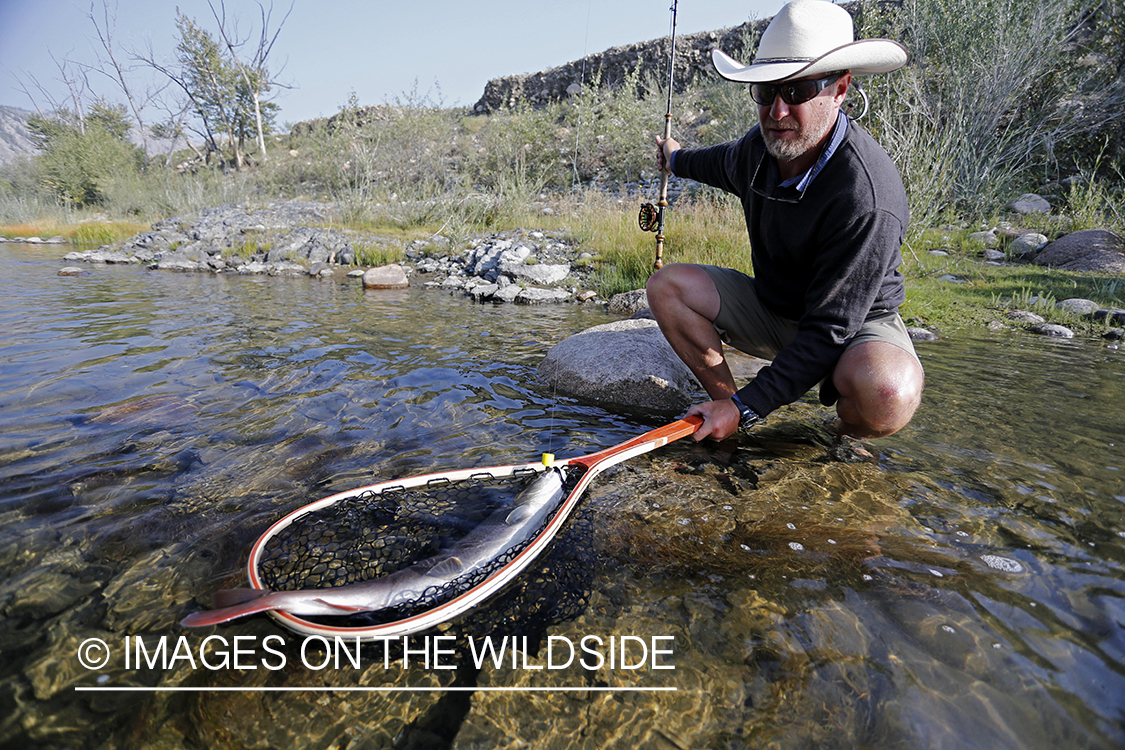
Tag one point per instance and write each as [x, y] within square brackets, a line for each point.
[375, 255]
[707, 230]
[84, 233]
[985, 292]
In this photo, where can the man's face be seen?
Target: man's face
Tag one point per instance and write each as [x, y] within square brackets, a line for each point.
[792, 130]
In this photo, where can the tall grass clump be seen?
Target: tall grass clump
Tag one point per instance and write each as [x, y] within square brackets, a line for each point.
[159, 193]
[730, 109]
[391, 162]
[706, 229]
[991, 103]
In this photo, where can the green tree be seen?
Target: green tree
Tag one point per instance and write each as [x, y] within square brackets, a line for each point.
[209, 83]
[252, 69]
[81, 156]
[224, 97]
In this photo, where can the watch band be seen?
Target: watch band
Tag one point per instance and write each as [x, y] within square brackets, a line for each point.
[747, 417]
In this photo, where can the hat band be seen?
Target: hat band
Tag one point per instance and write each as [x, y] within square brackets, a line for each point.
[773, 60]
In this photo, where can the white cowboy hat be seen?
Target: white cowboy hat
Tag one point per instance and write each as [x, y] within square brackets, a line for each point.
[807, 37]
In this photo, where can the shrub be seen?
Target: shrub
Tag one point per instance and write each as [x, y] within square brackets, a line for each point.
[82, 155]
[991, 99]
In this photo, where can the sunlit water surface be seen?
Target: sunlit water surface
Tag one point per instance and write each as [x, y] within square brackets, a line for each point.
[965, 590]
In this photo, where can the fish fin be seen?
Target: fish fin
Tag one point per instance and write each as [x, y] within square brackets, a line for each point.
[342, 607]
[243, 602]
[450, 566]
[231, 597]
[518, 515]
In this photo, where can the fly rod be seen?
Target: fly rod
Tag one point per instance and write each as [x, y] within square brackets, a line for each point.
[651, 218]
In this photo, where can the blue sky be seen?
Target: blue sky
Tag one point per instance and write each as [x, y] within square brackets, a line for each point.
[377, 48]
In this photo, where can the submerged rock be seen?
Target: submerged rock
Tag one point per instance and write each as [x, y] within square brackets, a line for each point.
[1023, 316]
[385, 277]
[536, 296]
[1052, 329]
[918, 333]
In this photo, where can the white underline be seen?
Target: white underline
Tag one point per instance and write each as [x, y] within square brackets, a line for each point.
[110, 688]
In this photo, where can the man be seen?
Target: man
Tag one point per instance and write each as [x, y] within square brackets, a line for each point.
[827, 213]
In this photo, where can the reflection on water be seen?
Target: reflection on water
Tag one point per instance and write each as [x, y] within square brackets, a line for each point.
[965, 590]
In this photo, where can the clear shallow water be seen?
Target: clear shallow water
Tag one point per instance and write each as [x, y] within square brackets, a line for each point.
[965, 591]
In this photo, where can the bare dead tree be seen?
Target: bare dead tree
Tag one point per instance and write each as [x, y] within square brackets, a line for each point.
[176, 127]
[191, 101]
[253, 69]
[111, 67]
[72, 76]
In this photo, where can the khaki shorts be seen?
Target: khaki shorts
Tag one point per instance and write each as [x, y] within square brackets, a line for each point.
[747, 325]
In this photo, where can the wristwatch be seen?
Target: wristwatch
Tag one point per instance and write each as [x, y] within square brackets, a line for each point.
[747, 417]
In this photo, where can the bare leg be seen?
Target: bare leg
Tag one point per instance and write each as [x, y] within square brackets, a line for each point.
[685, 303]
[880, 388]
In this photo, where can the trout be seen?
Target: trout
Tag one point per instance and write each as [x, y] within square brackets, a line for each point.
[502, 531]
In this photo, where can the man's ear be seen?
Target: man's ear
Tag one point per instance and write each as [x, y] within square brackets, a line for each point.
[842, 86]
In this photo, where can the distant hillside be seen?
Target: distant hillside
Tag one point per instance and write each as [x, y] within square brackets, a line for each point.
[14, 137]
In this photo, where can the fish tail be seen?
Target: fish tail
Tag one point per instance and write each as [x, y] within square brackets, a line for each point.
[231, 603]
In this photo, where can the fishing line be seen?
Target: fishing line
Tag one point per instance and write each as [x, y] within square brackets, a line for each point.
[573, 185]
[375, 689]
[581, 91]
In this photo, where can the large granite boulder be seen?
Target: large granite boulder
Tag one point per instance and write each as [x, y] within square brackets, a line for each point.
[1088, 250]
[627, 363]
[385, 277]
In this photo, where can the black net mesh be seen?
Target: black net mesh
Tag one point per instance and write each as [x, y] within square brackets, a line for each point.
[371, 535]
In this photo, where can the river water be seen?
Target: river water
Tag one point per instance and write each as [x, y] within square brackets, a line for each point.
[964, 589]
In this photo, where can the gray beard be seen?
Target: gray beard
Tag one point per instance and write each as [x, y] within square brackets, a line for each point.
[786, 150]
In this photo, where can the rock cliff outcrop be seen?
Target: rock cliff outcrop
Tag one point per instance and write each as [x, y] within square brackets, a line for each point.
[611, 67]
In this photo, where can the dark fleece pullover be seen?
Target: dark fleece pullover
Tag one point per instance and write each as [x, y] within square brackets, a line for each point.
[827, 261]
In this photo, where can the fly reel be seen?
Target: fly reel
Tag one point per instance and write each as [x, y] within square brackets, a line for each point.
[649, 218]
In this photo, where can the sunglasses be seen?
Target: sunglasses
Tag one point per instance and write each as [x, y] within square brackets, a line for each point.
[793, 92]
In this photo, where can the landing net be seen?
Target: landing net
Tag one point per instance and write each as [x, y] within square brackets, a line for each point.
[377, 532]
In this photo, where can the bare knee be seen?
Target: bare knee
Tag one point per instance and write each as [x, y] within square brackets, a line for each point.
[890, 408]
[880, 390]
[665, 286]
[876, 415]
[682, 286]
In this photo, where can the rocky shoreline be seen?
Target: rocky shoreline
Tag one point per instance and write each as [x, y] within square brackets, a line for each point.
[33, 240]
[289, 238]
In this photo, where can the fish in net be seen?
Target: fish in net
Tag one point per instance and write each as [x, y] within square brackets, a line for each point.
[374, 534]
